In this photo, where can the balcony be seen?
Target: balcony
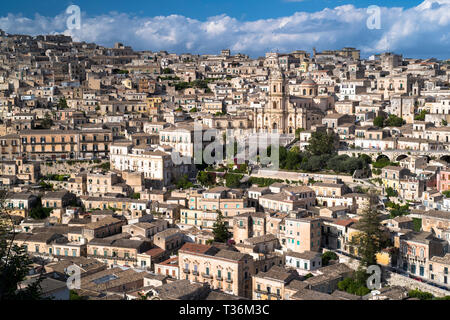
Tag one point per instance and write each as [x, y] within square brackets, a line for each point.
[195, 273]
[109, 257]
[186, 271]
[274, 295]
[229, 280]
[219, 278]
[207, 276]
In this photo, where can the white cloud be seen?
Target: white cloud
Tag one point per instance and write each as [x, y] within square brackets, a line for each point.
[419, 31]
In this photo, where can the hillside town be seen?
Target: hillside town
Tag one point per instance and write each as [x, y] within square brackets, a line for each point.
[90, 179]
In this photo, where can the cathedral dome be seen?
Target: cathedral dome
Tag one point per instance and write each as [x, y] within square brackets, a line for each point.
[308, 82]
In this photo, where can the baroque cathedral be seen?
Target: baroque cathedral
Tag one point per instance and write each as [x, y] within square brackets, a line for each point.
[285, 113]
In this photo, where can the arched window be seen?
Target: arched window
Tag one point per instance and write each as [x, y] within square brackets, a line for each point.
[413, 249]
[422, 253]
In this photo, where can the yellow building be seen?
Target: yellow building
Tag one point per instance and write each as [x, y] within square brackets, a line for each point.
[304, 66]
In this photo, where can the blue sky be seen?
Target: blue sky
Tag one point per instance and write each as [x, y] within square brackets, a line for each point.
[415, 28]
[197, 9]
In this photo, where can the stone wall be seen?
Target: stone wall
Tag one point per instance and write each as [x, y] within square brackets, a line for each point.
[66, 168]
[297, 176]
[352, 263]
[395, 279]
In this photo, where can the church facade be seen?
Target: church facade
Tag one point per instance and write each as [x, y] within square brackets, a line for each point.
[285, 113]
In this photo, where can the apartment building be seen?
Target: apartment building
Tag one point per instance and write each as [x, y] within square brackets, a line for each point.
[99, 184]
[19, 204]
[248, 225]
[443, 179]
[416, 249]
[58, 199]
[271, 285]
[305, 261]
[302, 234]
[123, 204]
[145, 229]
[103, 228]
[119, 252]
[154, 164]
[225, 270]
[289, 199]
[229, 201]
[438, 270]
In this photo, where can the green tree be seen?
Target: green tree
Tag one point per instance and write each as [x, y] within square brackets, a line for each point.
[298, 131]
[205, 178]
[136, 196]
[353, 286]
[233, 180]
[370, 239]
[378, 121]
[220, 229]
[38, 212]
[184, 183]
[47, 122]
[62, 104]
[397, 210]
[417, 224]
[391, 192]
[420, 294]
[421, 115]
[73, 295]
[328, 256]
[321, 143]
[394, 121]
[15, 265]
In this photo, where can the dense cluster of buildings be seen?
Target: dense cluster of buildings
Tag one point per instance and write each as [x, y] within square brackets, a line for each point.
[89, 134]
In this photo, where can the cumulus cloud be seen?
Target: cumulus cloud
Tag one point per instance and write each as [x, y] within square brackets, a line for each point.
[419, 31]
